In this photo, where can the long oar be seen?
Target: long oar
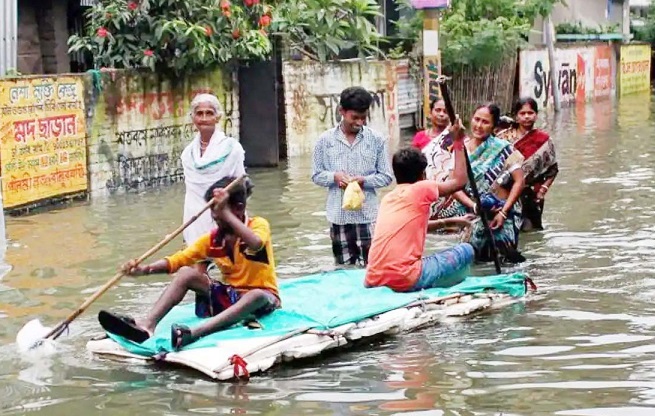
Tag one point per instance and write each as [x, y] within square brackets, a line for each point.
[55, 332]
[476, 195]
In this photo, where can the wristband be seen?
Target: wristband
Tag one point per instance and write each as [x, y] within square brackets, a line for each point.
[458, 145]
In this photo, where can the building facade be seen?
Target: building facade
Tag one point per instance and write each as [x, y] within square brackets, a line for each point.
[592, 14]
[34, 35]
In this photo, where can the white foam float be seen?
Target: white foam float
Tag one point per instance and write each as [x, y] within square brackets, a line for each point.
[31, 340]
[262, 353]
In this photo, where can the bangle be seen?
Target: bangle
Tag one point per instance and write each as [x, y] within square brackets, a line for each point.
[501, 212]
[475, 209]
[544, 187]
[458, 145]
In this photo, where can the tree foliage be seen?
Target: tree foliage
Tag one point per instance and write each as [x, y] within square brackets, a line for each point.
[184, 36]
[481, 32]
[576, 28]
[322, 29]
[174, 35]
[645, 32]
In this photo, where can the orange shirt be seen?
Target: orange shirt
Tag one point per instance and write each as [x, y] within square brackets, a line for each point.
[394, 259]
[249, 270]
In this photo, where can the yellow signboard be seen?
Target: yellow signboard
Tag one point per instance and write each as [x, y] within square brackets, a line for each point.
[42, 133]
[634, 71]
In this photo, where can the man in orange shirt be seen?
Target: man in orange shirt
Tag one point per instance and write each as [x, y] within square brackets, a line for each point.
[396, 256]
[241, 249]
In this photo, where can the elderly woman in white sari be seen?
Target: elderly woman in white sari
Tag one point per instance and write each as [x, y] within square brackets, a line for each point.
[210, 156]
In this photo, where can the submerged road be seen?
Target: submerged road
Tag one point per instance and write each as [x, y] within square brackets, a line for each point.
[586, 347]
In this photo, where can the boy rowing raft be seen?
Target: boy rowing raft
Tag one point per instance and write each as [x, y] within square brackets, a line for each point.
[240, 247]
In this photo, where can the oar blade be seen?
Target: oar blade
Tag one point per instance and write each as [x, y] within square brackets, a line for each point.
[32, 336]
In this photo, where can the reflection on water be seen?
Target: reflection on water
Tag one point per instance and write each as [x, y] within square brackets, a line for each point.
[591, 331]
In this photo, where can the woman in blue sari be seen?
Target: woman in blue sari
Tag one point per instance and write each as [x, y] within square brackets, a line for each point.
[499, 177]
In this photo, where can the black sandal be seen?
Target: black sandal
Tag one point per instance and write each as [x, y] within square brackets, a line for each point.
[180, 336]
[253, 324]
[123, 326]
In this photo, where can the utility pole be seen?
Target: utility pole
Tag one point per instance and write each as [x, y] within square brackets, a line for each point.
[430, 50]
[552, 61]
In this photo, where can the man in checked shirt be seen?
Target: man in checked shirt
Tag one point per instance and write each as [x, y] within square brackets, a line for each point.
[351, 152]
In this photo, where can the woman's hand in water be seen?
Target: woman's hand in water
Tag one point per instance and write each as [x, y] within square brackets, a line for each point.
[462, 222]
[498, 221]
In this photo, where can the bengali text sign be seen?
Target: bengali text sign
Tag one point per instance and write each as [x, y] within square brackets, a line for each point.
[634, 71]
[43, 145]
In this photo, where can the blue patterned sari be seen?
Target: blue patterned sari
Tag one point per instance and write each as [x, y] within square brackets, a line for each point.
[488, 162]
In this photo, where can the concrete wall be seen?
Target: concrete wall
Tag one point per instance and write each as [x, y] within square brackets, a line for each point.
[311, 92]
[70, 135]
[583, 74]
[139, 124]
[42, 37]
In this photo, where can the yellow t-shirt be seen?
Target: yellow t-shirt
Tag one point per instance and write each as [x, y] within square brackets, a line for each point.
[250, 269]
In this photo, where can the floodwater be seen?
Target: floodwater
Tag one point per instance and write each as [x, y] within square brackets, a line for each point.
[585, 347]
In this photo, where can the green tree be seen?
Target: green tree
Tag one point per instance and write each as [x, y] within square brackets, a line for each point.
[322, 29]
[646, 31]
[480, 32]
[175, 35]
[184, 36]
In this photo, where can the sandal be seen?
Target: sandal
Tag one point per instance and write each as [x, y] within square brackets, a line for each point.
[123, 326]
[180, 336]
[253, 324]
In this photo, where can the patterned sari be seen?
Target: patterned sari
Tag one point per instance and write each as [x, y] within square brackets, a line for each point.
[489, 161]
[540, 165]
[438, 153]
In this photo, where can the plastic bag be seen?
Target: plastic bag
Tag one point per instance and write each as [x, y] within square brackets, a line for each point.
[353, 197]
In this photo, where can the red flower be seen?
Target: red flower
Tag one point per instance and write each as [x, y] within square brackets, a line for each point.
[255, 1]
[264, 21]
[249, 3]
[225, 5]
[148, 52]
[236, 34]
[208, 31]
[102, 32]
[132, 5]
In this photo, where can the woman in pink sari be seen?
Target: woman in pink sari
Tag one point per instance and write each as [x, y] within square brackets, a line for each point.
[540, 161]
[438, 120]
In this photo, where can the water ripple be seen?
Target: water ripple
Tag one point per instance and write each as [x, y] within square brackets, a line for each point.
[590, 330]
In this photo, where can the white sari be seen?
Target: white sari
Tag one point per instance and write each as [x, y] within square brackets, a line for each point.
[440, 164]
[440, 160]
[223, 157]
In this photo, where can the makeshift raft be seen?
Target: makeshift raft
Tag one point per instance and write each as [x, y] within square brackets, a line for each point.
[320, 312]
